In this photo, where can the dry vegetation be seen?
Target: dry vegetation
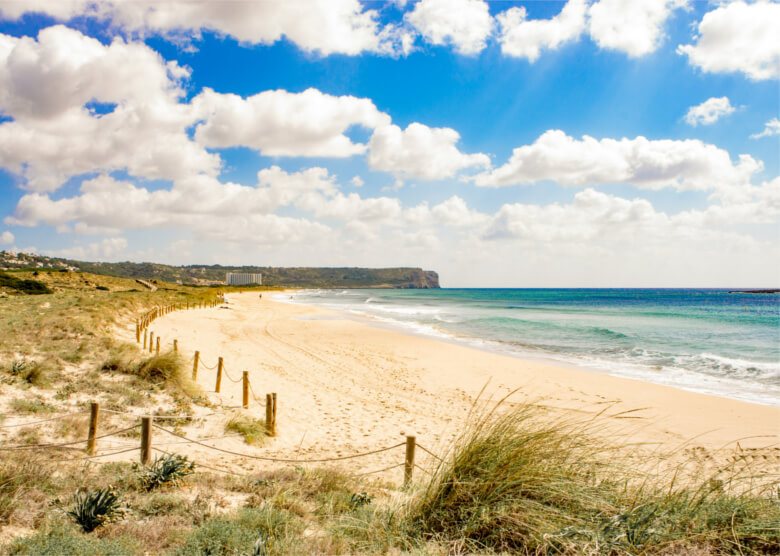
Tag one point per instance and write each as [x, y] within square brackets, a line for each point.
[516, 482]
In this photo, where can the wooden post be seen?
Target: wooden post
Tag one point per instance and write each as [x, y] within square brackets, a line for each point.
[411, 443]
[195, 366]
[270, 426]
[176, 346]
[219, 375]
[146, 440]
[146, 333]
[246, 390]
[273, 415]
[137, 331]
[157, 348]
[151, 341]
[93, 425]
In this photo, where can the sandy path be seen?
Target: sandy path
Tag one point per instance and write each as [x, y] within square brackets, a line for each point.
[346, 387]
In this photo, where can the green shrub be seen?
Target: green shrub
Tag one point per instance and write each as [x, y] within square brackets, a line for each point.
[94, 508]
[169, 469]
[64, 540]
[32, 287]
[267, 528]
[31, 406]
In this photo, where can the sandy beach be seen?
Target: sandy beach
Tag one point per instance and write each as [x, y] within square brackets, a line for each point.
[346, 387]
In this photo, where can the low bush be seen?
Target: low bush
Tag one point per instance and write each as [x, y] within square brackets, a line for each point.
[272, 530]
[61, 540]
[94, 508]
[31, 287]
[168, 470]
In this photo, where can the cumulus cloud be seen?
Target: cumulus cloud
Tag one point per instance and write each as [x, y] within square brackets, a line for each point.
[684, 165]
[738, 37]
[419, 151]
[279, 123]
[6, 238]
[49, 87]
[772, 127]
[709, 111]
[635, 27]
[523, 38]
[322, 26]
[106, 249]
[465, 24]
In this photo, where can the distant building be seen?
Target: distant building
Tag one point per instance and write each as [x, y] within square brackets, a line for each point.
[242, 278]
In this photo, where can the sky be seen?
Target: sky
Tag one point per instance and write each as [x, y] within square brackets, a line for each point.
[585, 143]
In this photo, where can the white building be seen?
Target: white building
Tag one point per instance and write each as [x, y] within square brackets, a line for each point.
[242, 278]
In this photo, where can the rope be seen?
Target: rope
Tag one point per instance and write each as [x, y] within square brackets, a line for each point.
[158, 416]
[205, 466]
[423, 470]
[224, 371]
[284, 460]
[25, 446]
[255, 395]
[379, 470]
[207, 367]
[39, 422]
[97, 456]
[426, 450]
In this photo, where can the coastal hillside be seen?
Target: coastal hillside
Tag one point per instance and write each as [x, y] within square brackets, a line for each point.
[298, 277]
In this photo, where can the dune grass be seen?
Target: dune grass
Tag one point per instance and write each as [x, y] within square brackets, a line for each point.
[253, 430]
[524, 483]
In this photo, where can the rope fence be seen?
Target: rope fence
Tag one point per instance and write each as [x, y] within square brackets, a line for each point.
[148, 425]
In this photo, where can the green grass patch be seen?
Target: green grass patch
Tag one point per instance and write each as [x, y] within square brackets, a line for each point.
[23, 285]
[31, 406]
[253, 430]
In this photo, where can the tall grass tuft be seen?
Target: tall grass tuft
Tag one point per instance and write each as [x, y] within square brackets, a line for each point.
[521, 482]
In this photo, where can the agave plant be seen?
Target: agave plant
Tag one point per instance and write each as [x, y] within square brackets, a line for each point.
[19, 366]
[94, 508]
[169, 469]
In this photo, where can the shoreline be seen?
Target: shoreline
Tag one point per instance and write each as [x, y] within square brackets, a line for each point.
[636, 373]
[346, 387]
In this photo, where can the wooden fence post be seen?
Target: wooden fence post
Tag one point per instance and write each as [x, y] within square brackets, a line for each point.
[94, 409]
[176, 346]
[270, 424]
[146, 440]
[219, 375]
[146, 333]
[137, 331]
[157, 347]
[273, 399]
[195, 366]
[151, 341]
[411, 443]
[246, 390]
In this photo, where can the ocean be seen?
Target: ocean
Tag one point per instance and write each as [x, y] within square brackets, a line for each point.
[703, 340]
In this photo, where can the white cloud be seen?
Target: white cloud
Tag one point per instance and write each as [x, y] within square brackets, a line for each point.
[322, 26]
[107, 249]
[738, 37]
[455, 212]
[6, 238]
[465, 24]
[279, 123]
[357, 181]
[421, 152]
[684, 165]
[709, 111]
[635, 27]
[523, 38]
[772, 127]
[48, 84]
[592, 214]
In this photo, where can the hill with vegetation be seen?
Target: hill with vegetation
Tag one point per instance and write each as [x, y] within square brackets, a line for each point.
[298, 277]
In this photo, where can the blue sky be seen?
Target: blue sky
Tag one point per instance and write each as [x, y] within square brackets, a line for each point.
[579, 143]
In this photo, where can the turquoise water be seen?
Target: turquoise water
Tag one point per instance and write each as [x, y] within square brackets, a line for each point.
[708, 341]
